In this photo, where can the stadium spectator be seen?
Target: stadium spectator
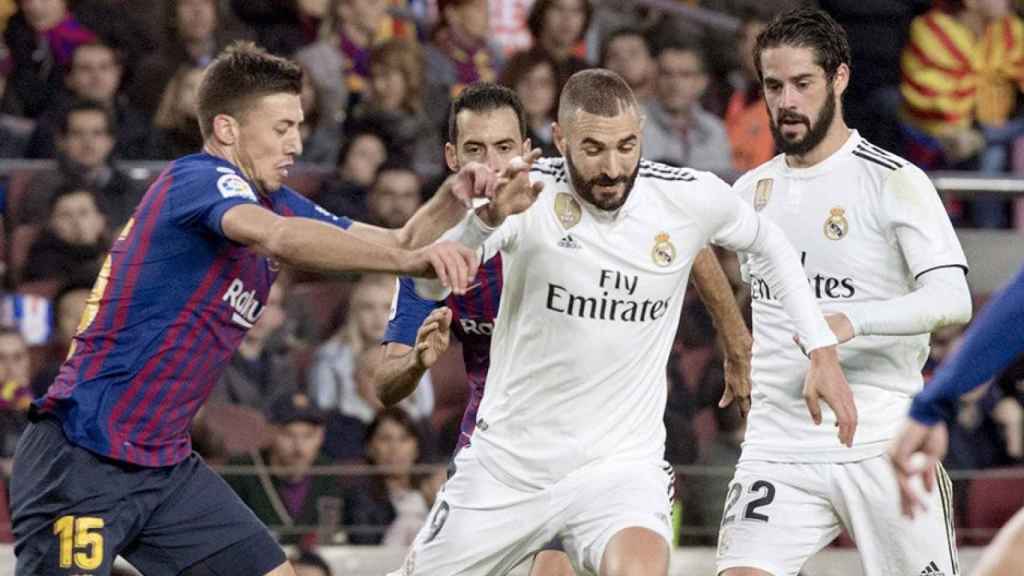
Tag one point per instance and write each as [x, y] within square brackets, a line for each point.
[394, 98]
[961, 81]
[15, 131]
[85, 142]
[394, 197]
[557, 27]
[677, 129]
[627, 52]
[94, 74]
[323, 106]
[74, 241]
[508, 25]
[261, 369]
[353, 27]
[746, 117]
[176, 122]
[309, 563]
[195, 31]
[15, 391]
[283, 28]
[69, 305]
[364, 150]
[297, 497]
[335, 373]
[460, 52]
[41, 38]
[532, 74]
[388, 508]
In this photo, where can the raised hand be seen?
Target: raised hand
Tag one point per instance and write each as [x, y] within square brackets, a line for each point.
[452, 263]
[512, 191]
[433, 337]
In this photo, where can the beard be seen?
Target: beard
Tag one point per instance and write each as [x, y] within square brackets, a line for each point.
[585, 188]
[816, 132]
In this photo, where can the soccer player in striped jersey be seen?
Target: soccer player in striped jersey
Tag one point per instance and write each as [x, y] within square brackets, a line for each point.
[886, 267]
[994, 340]
[486, 125]
[106, 467]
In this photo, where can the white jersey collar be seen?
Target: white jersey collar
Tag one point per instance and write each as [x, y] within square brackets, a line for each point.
[826, 164]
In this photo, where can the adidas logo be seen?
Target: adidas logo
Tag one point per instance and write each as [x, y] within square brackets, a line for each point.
[568, 241]
[932, 570]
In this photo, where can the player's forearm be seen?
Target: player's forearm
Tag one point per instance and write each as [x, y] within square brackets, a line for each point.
[312, 245]
[472, 232]
[786, 277]
[716, 293]
[994, 339]
[397, 376]
[941, 298]
[440, 213]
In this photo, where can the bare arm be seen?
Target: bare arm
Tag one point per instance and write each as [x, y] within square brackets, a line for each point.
[402, 367]
[717, 295]
[313, 245]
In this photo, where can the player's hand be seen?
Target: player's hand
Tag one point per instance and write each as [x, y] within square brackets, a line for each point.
[473, 180]
[917, 450]
[825, 381]
[450, 262]
[432, 339]
[737, 382]
[841, 326]
[512, 192]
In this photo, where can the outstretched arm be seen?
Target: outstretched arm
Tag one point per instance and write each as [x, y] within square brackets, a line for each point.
[717, 295]
[403, 367]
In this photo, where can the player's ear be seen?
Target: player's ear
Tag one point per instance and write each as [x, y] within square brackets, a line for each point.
[225, 129]
[841, 80]
[450, 158]
[527, 146]
[558, 136]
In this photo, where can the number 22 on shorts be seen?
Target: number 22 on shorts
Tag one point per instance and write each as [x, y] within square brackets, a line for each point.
[81, 543]
[766, 495]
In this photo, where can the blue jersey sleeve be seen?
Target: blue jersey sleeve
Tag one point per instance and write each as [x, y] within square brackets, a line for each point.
[204, 193]
[994, 340]
[408, 311]
[291, 203]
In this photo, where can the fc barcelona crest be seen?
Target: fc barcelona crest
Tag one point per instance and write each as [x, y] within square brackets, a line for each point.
[567, 210]
[836, 226]
[664, 252]
[762, 193]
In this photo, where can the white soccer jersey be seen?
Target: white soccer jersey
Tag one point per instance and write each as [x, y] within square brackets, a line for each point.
[867, 224]
[588, 313]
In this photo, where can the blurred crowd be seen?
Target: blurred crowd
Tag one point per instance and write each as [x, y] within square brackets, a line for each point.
[100, 87]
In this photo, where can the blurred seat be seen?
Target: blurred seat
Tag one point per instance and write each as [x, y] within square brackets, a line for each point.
[991, 502]
[6, 535]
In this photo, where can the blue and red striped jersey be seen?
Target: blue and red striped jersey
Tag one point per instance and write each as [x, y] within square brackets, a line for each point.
[170, 306]
[473, 317]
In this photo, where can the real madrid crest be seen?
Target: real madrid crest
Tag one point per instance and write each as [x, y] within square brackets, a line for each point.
[762, 193]
[568, 210]
[836, 226]
[664, 252]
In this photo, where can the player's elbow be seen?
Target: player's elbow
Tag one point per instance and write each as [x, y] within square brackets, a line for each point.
[957, 307]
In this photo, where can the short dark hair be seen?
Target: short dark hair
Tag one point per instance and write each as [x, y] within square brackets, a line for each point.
[399, 416]
[535, 20]
[806, 28]
[98, 43]
[484, 97]
[624, 32]
[69, 188]
[82, 105]
[239, 75]
[686, 46]
[596, 91]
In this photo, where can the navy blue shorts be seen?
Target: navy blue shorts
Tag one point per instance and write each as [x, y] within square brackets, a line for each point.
[75, 511]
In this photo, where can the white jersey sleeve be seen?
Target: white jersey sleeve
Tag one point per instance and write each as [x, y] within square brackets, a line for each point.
[916, 219]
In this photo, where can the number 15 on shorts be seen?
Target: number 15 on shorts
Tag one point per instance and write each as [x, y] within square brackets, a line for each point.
[81, 543]
[764, 493]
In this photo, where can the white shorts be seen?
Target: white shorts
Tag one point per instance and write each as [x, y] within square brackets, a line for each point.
[480, 526]
[777, 515]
